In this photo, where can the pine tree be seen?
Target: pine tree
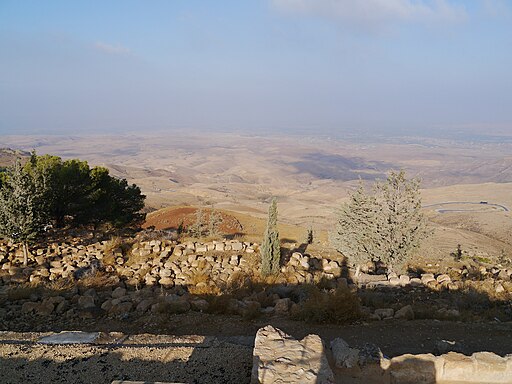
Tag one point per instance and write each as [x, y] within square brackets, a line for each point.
[78, 195]
[271, 247]
[22, 208]
[356, 234]
[403, 225]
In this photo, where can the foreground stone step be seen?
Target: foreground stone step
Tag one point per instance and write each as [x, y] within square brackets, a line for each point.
[278, 358]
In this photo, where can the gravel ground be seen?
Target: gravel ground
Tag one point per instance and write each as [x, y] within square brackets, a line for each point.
[219, 352]
[141, 358]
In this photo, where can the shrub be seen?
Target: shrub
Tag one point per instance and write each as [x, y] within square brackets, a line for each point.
[202, 284]
[338, 306]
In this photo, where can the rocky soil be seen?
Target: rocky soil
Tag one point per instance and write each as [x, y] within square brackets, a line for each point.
[142, 357]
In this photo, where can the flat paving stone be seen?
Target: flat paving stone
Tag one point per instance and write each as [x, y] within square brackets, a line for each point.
[72, 337]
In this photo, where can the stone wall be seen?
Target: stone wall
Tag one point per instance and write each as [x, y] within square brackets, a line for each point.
[168, 263]
[170, 269]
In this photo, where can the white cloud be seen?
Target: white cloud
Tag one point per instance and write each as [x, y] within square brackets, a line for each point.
[371, 12]
[112, 49]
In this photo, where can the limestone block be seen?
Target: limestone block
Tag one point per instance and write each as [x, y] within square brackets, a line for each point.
[415, 369]
[426, 277]
[201, 248]
[236, 246]
[458, 367]
[404, 280]
[278, 358]
[443, 279]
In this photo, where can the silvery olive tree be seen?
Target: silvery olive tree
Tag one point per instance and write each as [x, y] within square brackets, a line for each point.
[384, 226]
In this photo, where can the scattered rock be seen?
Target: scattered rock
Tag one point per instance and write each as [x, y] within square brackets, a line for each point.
[444, 346]
[118, 292]
[499, 288]
[86, 302]
[405, 313]
[370, 354]
[384, 313]
[178, 306]
[282, 306]
[29, 307]
[199, 305]
[344, 356]
[447, 314]
[121, 309]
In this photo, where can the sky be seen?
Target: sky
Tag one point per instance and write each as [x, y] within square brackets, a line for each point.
[315, 66]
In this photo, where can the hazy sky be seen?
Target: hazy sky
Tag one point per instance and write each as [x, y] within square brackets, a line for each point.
[329, 65]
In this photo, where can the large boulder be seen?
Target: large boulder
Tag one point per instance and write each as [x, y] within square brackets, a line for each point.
[279, 358]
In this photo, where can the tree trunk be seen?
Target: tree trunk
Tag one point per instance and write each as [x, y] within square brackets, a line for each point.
[25, 254]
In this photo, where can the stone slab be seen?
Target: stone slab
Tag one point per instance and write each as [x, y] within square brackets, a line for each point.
[71, 337]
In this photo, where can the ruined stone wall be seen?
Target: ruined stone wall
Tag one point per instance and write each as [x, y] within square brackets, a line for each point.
[278, 358]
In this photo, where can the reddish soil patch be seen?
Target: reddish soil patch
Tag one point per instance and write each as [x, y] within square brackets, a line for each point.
[171, 218]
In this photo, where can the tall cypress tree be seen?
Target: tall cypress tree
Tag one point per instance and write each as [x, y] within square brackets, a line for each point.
[271, 248]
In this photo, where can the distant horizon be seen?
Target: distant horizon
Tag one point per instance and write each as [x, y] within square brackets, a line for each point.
[461, 134]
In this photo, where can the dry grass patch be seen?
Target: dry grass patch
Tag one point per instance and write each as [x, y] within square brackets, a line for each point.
[97, 280]
[201, 284]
